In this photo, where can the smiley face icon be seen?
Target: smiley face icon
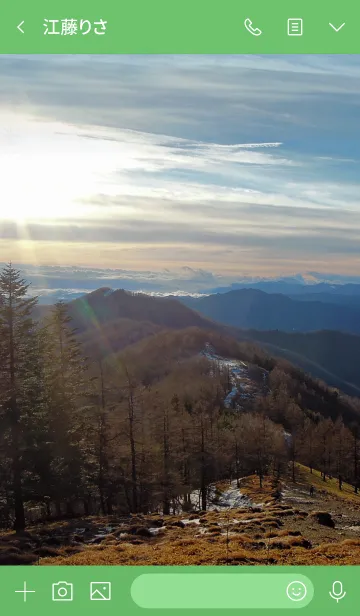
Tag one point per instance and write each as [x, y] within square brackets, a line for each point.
[296, 591]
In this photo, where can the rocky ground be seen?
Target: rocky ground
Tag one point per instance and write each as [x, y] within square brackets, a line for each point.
[246, 526]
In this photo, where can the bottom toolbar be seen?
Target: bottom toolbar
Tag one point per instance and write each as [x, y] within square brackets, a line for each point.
[134, 590]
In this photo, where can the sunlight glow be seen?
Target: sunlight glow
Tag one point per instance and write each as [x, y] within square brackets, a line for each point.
[47, 169]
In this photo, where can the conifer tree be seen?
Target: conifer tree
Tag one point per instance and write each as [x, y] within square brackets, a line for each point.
[66, 371]
[17, 337]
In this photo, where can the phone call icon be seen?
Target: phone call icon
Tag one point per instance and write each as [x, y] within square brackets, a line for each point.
[254, 31]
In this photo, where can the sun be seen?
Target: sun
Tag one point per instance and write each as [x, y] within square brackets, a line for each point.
[38, 189]
[46, 170]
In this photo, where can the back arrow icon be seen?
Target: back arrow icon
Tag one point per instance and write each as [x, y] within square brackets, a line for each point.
[337, 29]
[19, 27]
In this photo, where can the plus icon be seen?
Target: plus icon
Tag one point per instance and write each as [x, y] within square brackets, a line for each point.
[25, 592]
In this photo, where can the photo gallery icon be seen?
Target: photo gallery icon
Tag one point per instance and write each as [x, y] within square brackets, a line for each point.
[100, 591]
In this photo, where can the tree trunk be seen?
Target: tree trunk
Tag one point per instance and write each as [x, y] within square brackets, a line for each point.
[186, 478]
[19, 521]
[70, 509]
[166, 495]
[203, 487]
[131, 417]
[293, 470]
[237, 470]
[101, 482]
[109, 505]
[355, 464]
[86, 506]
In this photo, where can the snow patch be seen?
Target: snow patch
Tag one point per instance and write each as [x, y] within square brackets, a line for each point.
[157, 530]
[231, 498]
[296, 496]
[229, 398]
[241, 384]
[287, 437]
[202, 531]
[250, 520]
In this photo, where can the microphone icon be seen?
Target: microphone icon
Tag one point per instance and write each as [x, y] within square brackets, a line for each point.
[337, 591]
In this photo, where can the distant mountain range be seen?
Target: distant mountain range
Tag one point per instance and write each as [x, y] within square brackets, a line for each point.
[69, 289]
[292, 287]
[329, 298]
[303, 332]
[255, 309]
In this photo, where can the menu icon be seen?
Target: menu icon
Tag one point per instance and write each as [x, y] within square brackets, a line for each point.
[295, 26]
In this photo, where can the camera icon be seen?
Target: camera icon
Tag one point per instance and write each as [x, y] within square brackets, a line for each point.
[62, 591]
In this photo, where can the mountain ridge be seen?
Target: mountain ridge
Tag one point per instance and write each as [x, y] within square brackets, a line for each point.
[107, 326]
[292, 287]
[256, 309]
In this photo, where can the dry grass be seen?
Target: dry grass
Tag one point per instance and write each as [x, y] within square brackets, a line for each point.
[330, 486]
[250, 486]
[273, 533]
[290, 550]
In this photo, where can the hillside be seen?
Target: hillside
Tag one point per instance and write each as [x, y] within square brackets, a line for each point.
[171, 355]
[106, 305]
[108, 322]
[245, 525]
[255, 309]
[109, 338]
[331, 356]
[329, 298]
[154, 436]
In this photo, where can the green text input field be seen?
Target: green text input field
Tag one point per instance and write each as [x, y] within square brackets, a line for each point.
[222, 591]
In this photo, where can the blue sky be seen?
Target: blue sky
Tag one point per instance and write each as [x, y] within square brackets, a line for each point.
[225, 166]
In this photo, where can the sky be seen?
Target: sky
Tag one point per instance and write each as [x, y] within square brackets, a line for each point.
[181, 168]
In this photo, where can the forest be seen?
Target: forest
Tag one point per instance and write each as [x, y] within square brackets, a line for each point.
[138, 430]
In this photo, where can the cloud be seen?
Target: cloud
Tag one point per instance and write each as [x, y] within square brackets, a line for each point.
[212, 162]
[54, 283]
[218, 98]
[260, 236]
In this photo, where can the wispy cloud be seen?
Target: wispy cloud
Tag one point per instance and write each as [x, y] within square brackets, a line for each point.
[225, 164]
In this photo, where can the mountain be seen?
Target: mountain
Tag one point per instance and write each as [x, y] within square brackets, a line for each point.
[107, 321]
[104, 306]
[329, 298]
[161, 330]
[329, 355]
[254, 309]
[171, 394]
[291, 287]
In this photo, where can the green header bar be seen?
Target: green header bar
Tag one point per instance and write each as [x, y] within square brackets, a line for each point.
[174, 27]
[185, 591]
